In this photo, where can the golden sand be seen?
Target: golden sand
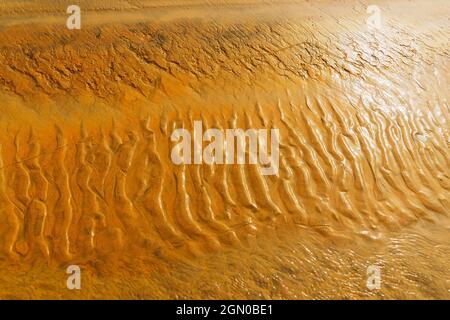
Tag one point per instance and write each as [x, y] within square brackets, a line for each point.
[86, 176]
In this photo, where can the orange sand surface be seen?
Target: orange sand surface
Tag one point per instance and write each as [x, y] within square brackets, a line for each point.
[86, 176]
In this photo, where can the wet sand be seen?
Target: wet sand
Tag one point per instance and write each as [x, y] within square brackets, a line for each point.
[86, 176]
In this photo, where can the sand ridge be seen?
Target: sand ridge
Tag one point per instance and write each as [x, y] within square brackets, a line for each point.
[86, 175]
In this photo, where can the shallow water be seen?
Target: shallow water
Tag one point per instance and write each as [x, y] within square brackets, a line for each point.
[86, 176]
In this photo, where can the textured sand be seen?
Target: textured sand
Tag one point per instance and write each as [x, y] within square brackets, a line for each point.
[86, 176]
